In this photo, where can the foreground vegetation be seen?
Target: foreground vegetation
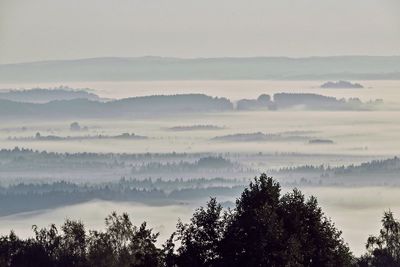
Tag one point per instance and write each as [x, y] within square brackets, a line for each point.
[265, 228]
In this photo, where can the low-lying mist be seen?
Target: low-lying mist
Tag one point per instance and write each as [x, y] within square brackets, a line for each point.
[344, 154]
[356, 211]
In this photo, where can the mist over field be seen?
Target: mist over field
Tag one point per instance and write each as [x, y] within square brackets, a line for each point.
[244, 134]
[302, 145]
[356, 211]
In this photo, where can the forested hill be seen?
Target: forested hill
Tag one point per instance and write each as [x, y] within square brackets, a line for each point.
[44, 95]
[161, 68]
[125, 107]
[179, 103]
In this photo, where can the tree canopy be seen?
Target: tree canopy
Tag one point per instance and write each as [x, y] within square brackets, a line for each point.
[384, 249]
[264, 228]
[121, 244]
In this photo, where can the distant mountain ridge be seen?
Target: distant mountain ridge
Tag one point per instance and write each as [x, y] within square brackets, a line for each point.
[164, 68]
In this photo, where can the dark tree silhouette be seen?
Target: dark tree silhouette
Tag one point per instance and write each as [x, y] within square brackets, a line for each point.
[201, 238]
[384, 249]
[264, 229]
[122, 244]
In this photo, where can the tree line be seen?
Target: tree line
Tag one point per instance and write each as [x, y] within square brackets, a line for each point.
[264, 228]
[25, 197]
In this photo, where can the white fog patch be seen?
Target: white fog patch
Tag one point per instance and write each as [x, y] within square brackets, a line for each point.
[355, 211]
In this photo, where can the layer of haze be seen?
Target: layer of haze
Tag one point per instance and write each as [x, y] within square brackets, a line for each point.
[355, 211]
[360, 134]
[353, 132]
[234, 90]
[47, 29]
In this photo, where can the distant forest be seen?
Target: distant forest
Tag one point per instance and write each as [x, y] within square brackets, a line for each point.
[44, 95]
[27, 165]
[376, 172]
[85, 108]
[29, 196]
[39, 137]
[263, 228]
[68, 103]
[25, 197]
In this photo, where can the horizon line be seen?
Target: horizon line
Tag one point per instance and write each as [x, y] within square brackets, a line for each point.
[194, 58]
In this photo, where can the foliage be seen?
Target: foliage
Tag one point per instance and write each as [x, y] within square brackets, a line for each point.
[384, 249]
[264, 229]
[121, 244]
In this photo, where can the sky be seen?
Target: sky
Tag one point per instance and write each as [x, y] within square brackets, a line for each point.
[69, 29]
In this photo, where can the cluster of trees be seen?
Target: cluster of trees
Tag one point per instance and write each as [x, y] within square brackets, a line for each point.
[262, 102]
[341, 84]
[207, 164]
[81, 104]
[35, 165]
[265, 228]
[27, 152]
[43, 95]
[384, 249]
[308, 101]
[121, 244]
[127, 107]
[40, 137]
[387, 168]
[24, 197]
[123, 184]
[375, 166]
[30, 154]
[31, 165]
[261, 137]
[19, 160]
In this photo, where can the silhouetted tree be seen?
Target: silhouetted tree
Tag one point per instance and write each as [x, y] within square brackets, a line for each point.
[73, 244]
[384, 250]
[122, 244]
[201, 238]
[264, 229]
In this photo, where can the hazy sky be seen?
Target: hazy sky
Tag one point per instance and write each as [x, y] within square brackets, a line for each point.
[62, 29]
